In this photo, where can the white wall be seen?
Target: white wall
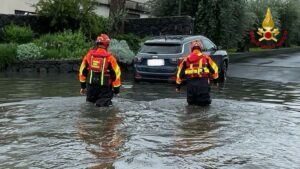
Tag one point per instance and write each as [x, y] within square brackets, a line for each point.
[102, 10]
[9, 6]
[144, 15]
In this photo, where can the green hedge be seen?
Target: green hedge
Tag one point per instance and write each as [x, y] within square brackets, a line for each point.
[8, 54]
[66, 45]
[64, 53]
[62, 45]
[94, 25]
[67, 39]
[17, 34]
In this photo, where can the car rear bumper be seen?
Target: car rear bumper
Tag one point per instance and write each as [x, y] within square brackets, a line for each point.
[155, 74]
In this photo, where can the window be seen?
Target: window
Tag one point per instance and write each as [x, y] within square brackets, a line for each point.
[208, 45]
[19, 12]
[187, 47]
[163, 48]
[132, 15]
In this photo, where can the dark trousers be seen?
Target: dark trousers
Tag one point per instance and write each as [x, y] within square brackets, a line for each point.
[198, 90]
[100, 95]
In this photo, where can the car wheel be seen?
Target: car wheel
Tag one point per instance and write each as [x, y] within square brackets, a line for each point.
[223, 73]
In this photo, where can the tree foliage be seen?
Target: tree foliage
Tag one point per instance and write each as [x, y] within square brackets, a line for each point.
[171, 7]
[64, 14]
[17, 34]
[224, 21]
[228, 22]
[117, 14]
[72, 14]
[289, 17]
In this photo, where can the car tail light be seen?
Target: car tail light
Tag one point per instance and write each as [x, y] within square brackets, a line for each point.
[138, 59]
[137, 76]
[176, 60]
[180, 59]
[173, 77]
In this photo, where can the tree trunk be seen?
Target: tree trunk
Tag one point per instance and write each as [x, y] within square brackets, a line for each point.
[117, 7]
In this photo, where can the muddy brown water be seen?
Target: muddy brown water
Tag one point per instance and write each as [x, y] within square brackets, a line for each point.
[44, 123]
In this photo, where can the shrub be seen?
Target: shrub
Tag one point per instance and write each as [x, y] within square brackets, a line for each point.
[29, 51]
[8, 54]
[121, 50]
[63, 45]
[66, 39]
[51, 54]
[17, 34]
[63, 53]
[132, 40]
[93, 25]
[65, 14]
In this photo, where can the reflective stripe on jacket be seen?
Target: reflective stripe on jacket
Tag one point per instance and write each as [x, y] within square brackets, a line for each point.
[196, 65]
[100, 64]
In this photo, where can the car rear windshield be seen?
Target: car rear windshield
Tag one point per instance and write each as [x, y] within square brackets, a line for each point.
[161, 48]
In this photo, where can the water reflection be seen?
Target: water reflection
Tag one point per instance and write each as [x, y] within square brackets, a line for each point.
[98, 128]
[196, 137]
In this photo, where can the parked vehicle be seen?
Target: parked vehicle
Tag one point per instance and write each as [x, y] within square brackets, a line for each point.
[159, 57]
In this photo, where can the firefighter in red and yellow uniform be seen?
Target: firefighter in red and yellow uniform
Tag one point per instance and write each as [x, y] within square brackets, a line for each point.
[198, 69]
[100, 74]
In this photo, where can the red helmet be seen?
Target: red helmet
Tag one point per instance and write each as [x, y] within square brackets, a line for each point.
[196, 45]
[103, 39]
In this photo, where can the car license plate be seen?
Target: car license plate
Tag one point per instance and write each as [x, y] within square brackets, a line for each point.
[155, 62]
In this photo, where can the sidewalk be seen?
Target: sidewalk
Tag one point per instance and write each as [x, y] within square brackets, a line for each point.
[237, 57]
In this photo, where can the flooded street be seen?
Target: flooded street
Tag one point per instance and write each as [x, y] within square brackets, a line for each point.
[45, 123]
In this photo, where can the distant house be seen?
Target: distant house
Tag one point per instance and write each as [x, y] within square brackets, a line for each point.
[135, 8]
[18, 7]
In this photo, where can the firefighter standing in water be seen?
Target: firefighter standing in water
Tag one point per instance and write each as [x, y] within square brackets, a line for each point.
[100, 74]
[198, 69]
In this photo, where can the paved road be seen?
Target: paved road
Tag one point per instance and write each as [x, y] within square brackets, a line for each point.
[281, 68]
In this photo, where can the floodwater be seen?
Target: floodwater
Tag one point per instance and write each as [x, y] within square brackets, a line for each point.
[44, 123]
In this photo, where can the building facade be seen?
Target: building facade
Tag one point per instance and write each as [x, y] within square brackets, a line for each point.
[19, 7]
[135, 8]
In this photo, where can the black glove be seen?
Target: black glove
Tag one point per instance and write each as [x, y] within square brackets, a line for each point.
[215, 81]
[178, 87]
[83, 85]
[85, 72]
[116, 90]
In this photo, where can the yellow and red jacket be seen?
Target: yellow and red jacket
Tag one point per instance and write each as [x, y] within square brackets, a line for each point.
[196, 65]
[101, 68]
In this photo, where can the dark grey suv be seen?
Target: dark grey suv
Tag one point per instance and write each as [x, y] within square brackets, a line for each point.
[159, 57]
